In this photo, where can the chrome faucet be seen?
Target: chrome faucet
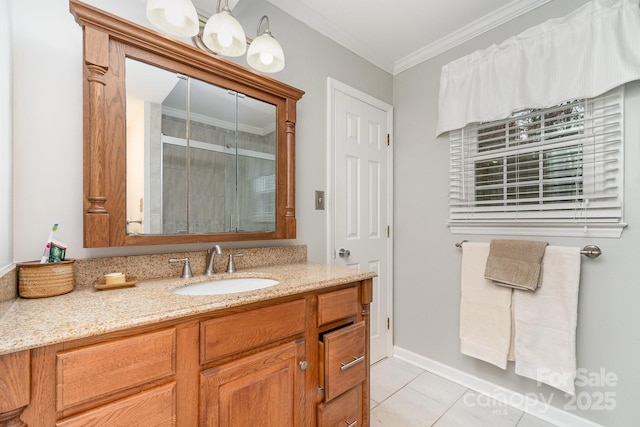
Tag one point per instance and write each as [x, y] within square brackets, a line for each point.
[211, 254]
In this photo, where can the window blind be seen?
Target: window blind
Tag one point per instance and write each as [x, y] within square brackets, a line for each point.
[559, 166]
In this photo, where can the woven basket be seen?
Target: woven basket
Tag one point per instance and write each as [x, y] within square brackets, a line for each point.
[37, 280]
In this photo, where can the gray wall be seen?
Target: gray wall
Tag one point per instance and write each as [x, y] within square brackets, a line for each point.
[6, 181]
[427, 265]
[310, 59]
[47, 83]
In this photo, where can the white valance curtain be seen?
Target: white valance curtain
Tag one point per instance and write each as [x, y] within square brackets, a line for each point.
[585, 54]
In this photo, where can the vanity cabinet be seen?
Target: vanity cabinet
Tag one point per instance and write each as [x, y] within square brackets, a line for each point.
[14, 387]
[90, 372]
[343, 357]
[343, 354]
[301, 360]
[266, 388]
[130, 379]
[343, 411]
[241, 332]
[153, 408]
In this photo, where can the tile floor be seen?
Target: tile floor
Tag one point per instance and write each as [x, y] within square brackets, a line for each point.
[405, 395]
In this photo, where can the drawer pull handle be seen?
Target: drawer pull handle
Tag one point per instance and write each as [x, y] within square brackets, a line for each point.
[355, 361]
[352, 424]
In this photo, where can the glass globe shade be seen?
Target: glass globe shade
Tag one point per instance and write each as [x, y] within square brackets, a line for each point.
[176, 17]
[224, 35]
[265, 54]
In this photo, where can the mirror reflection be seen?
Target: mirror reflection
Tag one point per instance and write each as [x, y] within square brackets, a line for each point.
[199, 158]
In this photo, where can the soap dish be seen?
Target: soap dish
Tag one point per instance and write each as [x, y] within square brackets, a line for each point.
[101, 284]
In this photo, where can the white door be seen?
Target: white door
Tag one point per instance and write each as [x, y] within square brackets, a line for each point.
[361, 193]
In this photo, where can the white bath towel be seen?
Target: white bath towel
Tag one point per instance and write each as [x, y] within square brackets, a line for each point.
[545, 321]
[485, 309]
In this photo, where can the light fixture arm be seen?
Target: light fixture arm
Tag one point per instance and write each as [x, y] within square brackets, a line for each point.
[226, 6]
[266, 30]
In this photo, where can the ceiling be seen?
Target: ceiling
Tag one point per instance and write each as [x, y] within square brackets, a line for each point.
[396, 35]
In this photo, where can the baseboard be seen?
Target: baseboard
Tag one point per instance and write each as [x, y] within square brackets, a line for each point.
[517, 400]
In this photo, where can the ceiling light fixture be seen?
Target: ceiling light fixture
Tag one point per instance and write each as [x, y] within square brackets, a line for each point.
[176, 17]
[221, 34]
[265, 53]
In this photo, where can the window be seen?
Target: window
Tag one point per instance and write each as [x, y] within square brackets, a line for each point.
[553, 171]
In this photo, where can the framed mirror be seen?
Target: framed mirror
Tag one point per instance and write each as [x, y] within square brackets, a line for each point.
[180, 146]
[201, 159]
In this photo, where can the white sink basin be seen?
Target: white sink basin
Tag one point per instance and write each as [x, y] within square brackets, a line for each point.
[226, 286]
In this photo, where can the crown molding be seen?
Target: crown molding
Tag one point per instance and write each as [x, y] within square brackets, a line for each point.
[485, 23]
[488, 22]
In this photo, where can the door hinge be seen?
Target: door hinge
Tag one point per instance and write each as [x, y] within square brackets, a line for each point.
[388, 323]
[388, 231]
[388, 139]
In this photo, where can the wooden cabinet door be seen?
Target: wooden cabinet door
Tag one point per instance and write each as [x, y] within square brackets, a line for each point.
[262, 390]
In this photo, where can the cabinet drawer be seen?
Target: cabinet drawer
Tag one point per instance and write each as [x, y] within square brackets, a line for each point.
[86, 373]
[337, 305]
[153, 408]
[343, 411]
[343, 359]
[238, 332]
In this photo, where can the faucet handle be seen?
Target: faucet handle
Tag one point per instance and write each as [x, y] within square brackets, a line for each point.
[231, 268]
[186, 269]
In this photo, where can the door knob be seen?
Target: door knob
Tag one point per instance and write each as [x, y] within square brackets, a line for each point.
[344, 253]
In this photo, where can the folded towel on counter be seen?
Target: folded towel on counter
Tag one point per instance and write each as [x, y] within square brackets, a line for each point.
[515, 263]
[485, 309]
[545, 322]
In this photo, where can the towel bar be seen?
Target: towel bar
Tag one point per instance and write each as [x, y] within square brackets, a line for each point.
[590, 251]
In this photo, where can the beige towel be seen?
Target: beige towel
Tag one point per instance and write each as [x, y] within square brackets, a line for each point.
[515, 263]
[545, 322]
[485, 309]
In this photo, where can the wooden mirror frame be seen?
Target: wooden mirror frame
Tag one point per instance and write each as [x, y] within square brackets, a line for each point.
[108, 40]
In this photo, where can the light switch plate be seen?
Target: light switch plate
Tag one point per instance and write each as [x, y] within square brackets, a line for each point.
[319, 200]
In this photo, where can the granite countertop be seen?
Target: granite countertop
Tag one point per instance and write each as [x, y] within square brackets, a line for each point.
[31, 323]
